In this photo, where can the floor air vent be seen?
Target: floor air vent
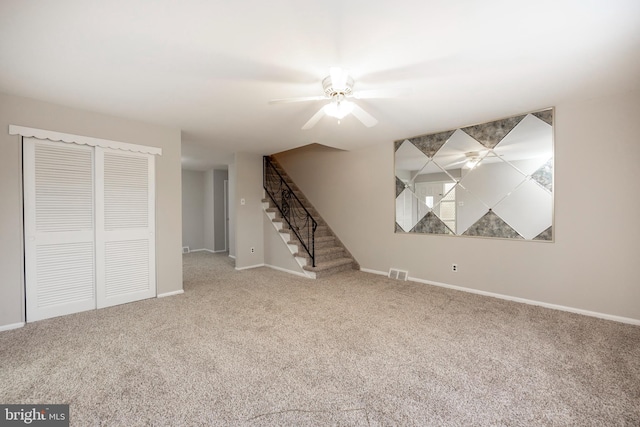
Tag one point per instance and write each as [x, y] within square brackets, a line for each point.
[394, 273]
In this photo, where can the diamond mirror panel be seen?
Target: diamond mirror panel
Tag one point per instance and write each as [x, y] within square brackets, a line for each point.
[409, 209]
[489, 180]
[409, 161]
[492, 179]
[469, 210]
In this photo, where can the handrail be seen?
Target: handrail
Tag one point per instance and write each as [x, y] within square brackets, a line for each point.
[300, 221]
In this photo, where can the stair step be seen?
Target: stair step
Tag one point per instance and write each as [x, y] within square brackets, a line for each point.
[321, 230]
[330, 256]
[321, 266]
[320, 242]
[328, 265]
[323, 254]
[324, 242]
[305, 204]
[329, 250]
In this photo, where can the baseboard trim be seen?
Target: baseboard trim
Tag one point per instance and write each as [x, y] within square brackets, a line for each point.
[220, 251]
[297, 273]
[627, 320]
[11, 326]
[170, 294]
[249, 267]
[368, 270]
[232, 256]
[559, 307]
[203, 250]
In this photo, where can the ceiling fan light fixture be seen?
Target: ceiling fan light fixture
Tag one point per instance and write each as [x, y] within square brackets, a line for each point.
[338, 109]
[339, 78]
[338, 86]
[470, 164]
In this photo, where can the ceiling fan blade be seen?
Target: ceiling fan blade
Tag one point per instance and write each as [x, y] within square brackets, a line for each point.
[298, 99]
[314, 119]
[459, 162]
[367, 119]
[380, 93]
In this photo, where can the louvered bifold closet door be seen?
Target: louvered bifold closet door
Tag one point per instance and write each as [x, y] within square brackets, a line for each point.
[125, 224]
[59, 228]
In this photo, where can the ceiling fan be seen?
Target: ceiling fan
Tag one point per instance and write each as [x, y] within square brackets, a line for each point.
[338, 87]
[470, 160]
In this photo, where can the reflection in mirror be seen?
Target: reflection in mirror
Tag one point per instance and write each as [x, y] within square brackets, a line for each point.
[489, 180]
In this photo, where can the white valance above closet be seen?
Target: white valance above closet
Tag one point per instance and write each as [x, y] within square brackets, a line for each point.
[81, 140]
[89, 222]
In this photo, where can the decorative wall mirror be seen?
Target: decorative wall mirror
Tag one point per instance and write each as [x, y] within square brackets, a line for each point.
[490, 180]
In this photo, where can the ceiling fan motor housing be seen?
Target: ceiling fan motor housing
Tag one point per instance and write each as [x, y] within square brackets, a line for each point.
[330, 91]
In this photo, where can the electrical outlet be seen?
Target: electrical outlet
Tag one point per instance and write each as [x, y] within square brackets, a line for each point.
[454, 268]
[253, 250]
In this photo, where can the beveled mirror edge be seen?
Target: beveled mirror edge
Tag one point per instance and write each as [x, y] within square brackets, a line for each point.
[397, 143]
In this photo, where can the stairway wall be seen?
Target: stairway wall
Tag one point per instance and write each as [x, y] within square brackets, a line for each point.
[331, 256]
[589, 267]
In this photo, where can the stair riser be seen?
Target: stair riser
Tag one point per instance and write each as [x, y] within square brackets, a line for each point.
[332, 271]
[300, 213]
[332, 255]
[322, 245]
[312, 213]
[319, 245]
[325, 257]
[278, 216]
[335, 258]
[323, 233]
[331, 265]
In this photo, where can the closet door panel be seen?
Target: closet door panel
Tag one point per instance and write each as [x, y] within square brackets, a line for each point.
[125, 224]
[59, 228]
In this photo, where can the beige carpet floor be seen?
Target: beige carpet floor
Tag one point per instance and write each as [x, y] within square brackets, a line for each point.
[262, 347]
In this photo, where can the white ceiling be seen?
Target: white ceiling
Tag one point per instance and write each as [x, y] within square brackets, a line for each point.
[210, 67]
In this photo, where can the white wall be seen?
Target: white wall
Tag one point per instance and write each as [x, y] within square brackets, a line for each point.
[592, 265]
[248, 216]
[232, 209]
[193, 209]
[37, 114]
[203, 215]
[219, 214]
[209, 211]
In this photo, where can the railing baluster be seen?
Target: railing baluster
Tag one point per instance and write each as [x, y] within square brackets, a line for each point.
[290, 207]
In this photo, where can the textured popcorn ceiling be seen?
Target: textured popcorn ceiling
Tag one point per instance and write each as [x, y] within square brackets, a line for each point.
[210, 68]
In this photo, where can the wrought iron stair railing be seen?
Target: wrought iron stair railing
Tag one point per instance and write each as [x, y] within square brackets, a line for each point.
[298, 218]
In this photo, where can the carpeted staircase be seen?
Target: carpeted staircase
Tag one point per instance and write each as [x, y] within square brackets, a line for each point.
[330, 254]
